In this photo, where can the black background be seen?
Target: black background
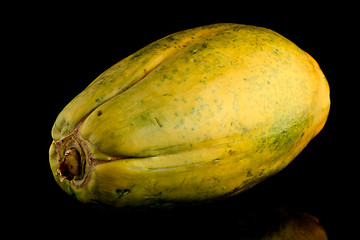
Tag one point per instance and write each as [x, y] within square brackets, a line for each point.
[66, 47]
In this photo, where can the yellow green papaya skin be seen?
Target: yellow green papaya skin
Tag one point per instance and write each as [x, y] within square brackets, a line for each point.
[201, 114]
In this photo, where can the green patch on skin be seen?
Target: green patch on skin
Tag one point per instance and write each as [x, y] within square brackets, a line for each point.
[281, 138]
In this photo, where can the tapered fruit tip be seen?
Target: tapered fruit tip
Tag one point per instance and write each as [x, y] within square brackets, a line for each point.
[70, 167]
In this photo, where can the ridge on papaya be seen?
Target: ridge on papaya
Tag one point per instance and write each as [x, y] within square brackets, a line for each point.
[198, 115]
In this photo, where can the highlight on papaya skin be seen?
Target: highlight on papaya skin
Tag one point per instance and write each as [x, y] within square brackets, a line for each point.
[199, 115]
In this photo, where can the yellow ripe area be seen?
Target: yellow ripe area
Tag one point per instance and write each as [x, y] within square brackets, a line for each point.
[188, 176]
[200, 114]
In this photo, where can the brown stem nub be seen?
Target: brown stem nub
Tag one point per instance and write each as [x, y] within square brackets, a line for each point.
[71, 159]
[70, 167]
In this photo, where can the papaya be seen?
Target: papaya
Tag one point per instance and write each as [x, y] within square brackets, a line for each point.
[300, 226]
[198, 115]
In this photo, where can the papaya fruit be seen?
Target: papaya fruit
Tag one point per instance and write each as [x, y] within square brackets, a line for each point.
[201, 114]
[300, 226]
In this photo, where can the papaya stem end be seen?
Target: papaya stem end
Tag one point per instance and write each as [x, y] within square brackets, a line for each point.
[71, 166]
[71, 160]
